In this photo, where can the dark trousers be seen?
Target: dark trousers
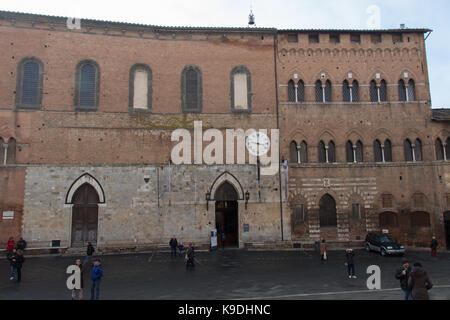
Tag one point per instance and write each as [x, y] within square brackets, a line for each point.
[173, 251]
[95, 289]
[190, 262]
[351, 269]
[434, 252]
[19, 274]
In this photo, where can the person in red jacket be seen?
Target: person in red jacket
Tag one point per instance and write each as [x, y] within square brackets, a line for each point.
[11, 244]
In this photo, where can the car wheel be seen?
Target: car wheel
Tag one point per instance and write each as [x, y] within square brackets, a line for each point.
[368, 248]
[383, 252]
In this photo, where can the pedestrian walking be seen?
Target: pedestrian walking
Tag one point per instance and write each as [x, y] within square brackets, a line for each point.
[190, 255]
[419, 283]
[21, 244]
[180, 249]
[350, 263]
[96, 279]
[76, 291]
[434, 245]
[403, 274]
[323, 251]
[223, 238]
[11, 244]
[12, 269]
[18, 260]
[89, 253]
[173, 243]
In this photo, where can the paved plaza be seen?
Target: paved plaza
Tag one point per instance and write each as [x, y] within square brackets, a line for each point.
[223, 275]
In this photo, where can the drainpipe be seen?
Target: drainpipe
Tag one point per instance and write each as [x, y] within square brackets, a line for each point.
[275, 52]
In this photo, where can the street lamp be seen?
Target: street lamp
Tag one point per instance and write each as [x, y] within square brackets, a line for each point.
[247, 197]
[208, 198]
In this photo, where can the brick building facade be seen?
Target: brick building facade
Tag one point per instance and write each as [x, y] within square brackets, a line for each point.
[87, 116]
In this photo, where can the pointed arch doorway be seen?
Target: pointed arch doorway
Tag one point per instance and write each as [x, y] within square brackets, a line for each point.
[227, 218]
[85, 216]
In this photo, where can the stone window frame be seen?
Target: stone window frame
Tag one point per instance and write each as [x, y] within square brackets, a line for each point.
[149, 91]
[199, 89]
[246, 70]
[19, 84]
[76, 100]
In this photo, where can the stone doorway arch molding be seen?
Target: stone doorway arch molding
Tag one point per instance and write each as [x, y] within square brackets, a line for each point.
[85, 178]
[231, 179]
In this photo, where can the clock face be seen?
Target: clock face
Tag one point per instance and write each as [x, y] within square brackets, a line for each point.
[258, 144]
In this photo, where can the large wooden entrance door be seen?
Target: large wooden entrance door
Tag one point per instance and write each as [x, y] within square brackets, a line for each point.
[447, 228]
[227, 220]
[85, 216]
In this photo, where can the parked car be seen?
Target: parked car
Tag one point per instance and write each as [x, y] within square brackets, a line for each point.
[384, 244]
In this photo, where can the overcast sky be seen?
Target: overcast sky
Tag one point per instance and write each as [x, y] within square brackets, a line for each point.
[298, 14]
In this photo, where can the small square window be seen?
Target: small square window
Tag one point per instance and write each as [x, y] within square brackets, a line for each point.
[314, 38]
[292, 37]
[355, 38]
[376, 38]
[335, 38]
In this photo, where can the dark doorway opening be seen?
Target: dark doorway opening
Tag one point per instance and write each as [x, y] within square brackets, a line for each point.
[447, 228]
[227, 218]
[85, 216]
[327, 212]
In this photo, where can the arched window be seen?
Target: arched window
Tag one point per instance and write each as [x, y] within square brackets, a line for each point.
[346, 91]
[402, 96]
[87, 80]
[378, 151]
[301, 91]
[408, 151]
[322, 152]
[359, 152]
[11, 151]
[383, 91]
[191, 90]
[439, 150]
[291, 91]
[29, 83]
[355, 91]
[331, 152]
[293, 151]
[327, 211]
[411, 90]
[303, 152]
[387, 151]
[418, 150]
[349, 152]
[328, 96]
[388, 220]
[241, 89]
[447, 148]
[373, 91]
[140, 88]
[319, 92]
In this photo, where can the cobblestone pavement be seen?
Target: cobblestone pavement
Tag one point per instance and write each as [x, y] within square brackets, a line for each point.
[229, 274]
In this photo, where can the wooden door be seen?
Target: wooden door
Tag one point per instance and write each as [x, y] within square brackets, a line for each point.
[85, 216]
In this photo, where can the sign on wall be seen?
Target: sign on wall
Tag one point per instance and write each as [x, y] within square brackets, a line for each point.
[8, 215]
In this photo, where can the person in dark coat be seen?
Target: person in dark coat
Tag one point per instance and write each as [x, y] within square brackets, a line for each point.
[18, 260]
[434, 244]
[173, 243]
[21, 244]
[402, 274]
[223, 238]
[89, 253]
[79, 291]
[349, 256]
[419, 283]
[190, 253]
[96, 279]
[12, 268]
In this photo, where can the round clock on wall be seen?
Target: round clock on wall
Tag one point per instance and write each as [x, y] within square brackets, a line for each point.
[258, 144]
